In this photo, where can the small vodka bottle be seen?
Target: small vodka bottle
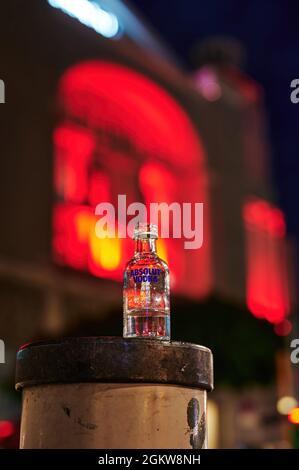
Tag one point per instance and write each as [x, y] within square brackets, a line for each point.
[146, 289]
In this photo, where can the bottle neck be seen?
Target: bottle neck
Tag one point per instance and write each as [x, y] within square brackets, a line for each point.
[145, 245]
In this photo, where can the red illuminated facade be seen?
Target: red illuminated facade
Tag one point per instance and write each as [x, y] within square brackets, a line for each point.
[121, 133]
[267, 273]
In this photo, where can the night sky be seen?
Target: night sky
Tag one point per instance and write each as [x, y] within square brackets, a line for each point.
[269, 31]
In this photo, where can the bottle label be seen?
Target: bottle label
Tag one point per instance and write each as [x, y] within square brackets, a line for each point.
[145, 274]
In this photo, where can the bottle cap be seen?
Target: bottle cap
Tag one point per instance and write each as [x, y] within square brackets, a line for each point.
[144, 230]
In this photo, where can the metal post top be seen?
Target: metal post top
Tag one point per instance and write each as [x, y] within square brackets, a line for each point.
[109, 359]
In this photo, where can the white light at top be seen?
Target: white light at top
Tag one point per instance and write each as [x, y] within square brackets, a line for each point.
[90, 14]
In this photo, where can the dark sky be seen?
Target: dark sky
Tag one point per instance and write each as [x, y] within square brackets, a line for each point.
[269, 31]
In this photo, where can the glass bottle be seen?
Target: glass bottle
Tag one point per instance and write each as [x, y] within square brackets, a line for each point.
[146, 289]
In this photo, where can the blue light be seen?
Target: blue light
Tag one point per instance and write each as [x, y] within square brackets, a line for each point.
[90, 14]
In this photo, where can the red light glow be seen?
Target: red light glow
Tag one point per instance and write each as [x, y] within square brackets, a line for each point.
[116, 98]
[7, 429]
[74, 147]
[283, 328]
[121, 133]
[263, 216]
[267, 277]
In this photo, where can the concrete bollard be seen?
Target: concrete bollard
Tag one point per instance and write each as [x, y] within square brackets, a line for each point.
[108, 392]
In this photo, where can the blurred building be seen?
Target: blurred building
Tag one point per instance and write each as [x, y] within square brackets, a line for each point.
[97, 106]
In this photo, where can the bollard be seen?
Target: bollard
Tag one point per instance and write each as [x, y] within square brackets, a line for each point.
[109, 392]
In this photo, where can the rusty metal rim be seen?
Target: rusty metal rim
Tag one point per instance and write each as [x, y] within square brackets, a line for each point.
[114, 359]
